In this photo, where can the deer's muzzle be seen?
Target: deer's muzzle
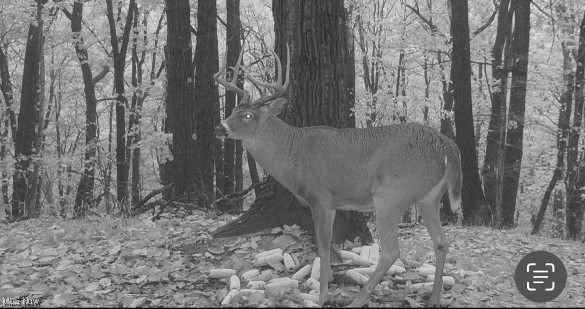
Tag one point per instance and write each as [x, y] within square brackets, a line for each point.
[221, 131]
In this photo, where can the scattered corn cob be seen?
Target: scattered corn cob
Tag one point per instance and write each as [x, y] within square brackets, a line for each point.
[366, 271]
[303, 272]
[347, 255]
[250, 274]
[263, 260]
[256, 285]
[310, 304]
[365, 252]
[447, 280]
[296, 259]
[313, 284]
[356, 276]
[265, 275]
[267, 253]
[279, 279]
[313, 298]
[249, 292]
[417, 287]
[362, 261]
[426, 270]
[396, 269]
[280, 286]
[289, 263]
[356, 250]
[235, 282]
[218, 273]
[316, 270]
[375, 252]
[228, 298]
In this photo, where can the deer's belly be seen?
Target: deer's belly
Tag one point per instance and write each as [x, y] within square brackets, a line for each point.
[357, 207]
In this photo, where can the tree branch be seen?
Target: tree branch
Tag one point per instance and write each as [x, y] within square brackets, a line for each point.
[488, 22]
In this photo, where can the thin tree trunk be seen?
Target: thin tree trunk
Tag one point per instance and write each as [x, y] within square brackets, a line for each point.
[84, 197]
[119, 55]
[9, 118]
[239, 172]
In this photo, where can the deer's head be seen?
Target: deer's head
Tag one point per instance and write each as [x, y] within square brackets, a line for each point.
[249, 115]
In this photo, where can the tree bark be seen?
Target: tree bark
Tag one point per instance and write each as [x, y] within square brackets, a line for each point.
[181, 119]
[84, 196]
[9, 119]
[473, 200]
[206, 94]
[135, 119]
[566, 103]
[28, 118]
[119, 55]
[233, 47]
[320, 93]
[575, 160]
[498, 98]
[515, 131]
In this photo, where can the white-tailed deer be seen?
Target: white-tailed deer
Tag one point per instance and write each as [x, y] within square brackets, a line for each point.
[383, 169]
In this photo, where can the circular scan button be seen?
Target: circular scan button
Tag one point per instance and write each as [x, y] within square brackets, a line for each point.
[540, 276]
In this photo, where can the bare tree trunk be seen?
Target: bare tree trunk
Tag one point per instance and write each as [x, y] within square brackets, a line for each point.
[9, 120]
[233, 45]
[84, 197]
[119, 55]
[472, 195]
[575, 160]
[206, 93]
[498, 98]
[181, 119]
[28, 118]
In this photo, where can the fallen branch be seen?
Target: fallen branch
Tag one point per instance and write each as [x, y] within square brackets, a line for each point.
[239, 194]
[152, 194]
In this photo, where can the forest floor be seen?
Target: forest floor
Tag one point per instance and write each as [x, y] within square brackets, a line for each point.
[112, 262]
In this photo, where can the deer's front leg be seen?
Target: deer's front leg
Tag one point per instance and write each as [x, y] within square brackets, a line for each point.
[323, 217]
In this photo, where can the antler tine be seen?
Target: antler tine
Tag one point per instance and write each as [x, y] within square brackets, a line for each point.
[233, 84]
[278, 85]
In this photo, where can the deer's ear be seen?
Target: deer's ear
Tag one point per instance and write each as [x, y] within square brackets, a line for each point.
[275, 106]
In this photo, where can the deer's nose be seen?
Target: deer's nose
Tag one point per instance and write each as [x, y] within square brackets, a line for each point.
[221, 131]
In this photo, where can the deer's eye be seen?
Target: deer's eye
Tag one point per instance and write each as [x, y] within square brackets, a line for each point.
[247, 116]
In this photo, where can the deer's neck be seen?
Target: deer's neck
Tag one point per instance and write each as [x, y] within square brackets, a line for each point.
[273, 145]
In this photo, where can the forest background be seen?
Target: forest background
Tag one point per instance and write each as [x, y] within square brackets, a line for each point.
[97, 117]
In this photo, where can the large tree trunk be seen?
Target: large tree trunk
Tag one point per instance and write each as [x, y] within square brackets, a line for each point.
[233, 46]
[84, 197]
[498, 98]
[515, 131]
[472, 195]
[119, 55]
[575, 161]
[180, 107]
[320, 93]
[28, 119]
[206, 94]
